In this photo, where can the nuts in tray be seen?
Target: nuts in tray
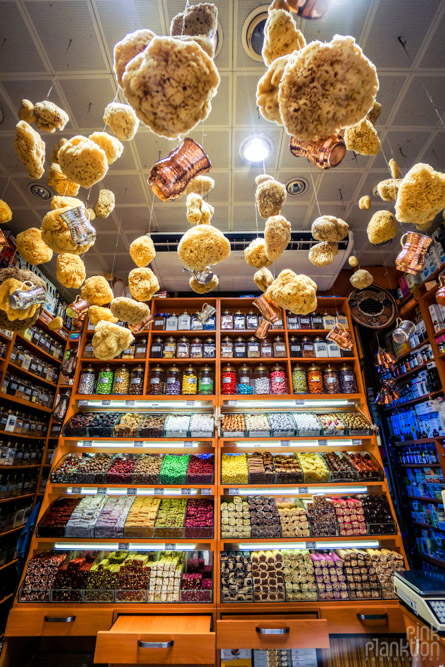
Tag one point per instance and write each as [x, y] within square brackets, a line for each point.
[354, 421]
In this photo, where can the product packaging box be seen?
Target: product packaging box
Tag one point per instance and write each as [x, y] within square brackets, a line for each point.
[436, 316]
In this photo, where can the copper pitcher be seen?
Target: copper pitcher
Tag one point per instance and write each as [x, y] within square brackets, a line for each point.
[170, 176]
[440, 294]
[77, 308]
[412, 258]
[341, 336]
[324, 153]
[268, 309]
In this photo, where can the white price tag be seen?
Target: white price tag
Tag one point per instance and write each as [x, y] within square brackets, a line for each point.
[190, 404]
[159, 492]
[137, 444]
[82, 404]
[129, 404]
[232, 402]
[101, 492]
[131, 492]
[299, 403]
[170, 546]
[154, 405]
[123, 546]
[104, 403]
[356, 442]
[206, 492]
[302, 489]
[285, 443]
[185, 492]
[322, 443]
[233, 492]
[188, 444]
[75, 489]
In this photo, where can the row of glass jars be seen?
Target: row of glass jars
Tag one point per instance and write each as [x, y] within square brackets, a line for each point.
[119, 381]
[329, 380]
[183, 322]
[27, 390]
[45, 342]
[260, 380]
[18, 484]
[17, 422]
[252, 348]
[183, 348]
[21, 356]
[14, 453]
[175, 381]
[136, 350]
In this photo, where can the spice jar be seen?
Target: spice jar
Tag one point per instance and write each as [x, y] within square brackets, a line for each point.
[227, 320]
[228, 380]
[183, 349]
[305, 322]
[347, 380]
[266, 349]
[307, 348]
[293, 321]
[189, 381]
[196, 322]
[299, 384]
[261, 380]
[317, 321]
[105, 380]
[196, 348]
[314, 380]
[129, 352]
[169, 350]
[159, 321]
[206, 381]
[172, 322]
[87, 381]
[253, 348]
[140, 351]
[278, 384]
[173, 381]
[251, 320]
[156, 381]
[209, 348]
[227, 348]
[156, 348]
[240, 348]
[239, 321]
[245, 380]
[279, 347]
[137, 380]
[121, 380]
[320, 347]
[331, 380]
[184, 321]
[295, 347]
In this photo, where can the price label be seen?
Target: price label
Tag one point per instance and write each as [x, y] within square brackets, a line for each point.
[206, 492]
[356, 442]
[154, 405]
[137, 444]
[101, 492]
[322, 443]
[232, 402]
[190, 404]
[299, 403]
[186, 492]
[131, 492]
[87, 443]
[188, 445]
[75, 489]
[129, 404]
[123, 546]
[302, 489]
[159, 492]
[233, 492]
[309, 545]
[104, 403]
[82, 404]
[170, 546]
[285, 443]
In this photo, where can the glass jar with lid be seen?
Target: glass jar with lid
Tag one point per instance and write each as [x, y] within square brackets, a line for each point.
[121, 380]
[295, 347]
[227, 320]
[299, 384]
[320, 347]
[172, 322]
[305, 322]
[169, 349]
[20, 356]
[209, 348]
[239, 321]
[159, 322]
[129, 352]
[210, 323]
[156, 348]
[315, 379]
[20, 393]
[253, 348]
[293, 321]
[105, 380]
[317, 321]
[252, 320]
[279, 347]
[189, 381]
[137, 380]
[196, 322]
[261, 380]
[140, 351]
[307, 348]
[196, 348]
[87, 381]
[331, 380]
[184, 321]
[347, 380]
[183, 348]
[173, 381]
[266, 349]
[156, 381]
[245, 380]
[227, 348]
[228, 380]
[240, 348]
[206, 384]
[278, 382]
[88, 351]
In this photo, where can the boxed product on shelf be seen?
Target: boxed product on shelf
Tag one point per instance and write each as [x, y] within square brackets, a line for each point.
[322, 517]
[84, 517]
[103, 423]
[201, 469]
[152, 426]
[361, 575]
[202, 426]
[53, 522]
[233, 426]
[340, 467]
[366, 466]
[332, 424]
[257, 425]
[141, 517]
[121, 470]
[293, 518]
[264, 517]
[112, 518]
[314, 468]
[147, 469]
[431, 417]
[77, 425]
[128, 425]
[170, 519]
[174, 469]
[199, 518]
[308, 424]
[235, 518]
[329, 576]
[377, 514]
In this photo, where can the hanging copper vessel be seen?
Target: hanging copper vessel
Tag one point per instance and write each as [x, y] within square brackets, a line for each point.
[325, 153]
[412, 258]
[170, 176]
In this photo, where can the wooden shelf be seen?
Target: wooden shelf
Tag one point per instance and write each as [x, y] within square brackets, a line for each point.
[22, 401]
[421, 441]
[32, 375]
[7, 597]
[180, 333]
[417, 369]
[309, 485]
[420, 465]
[432, 560]
[426, 397]
[121, 485]
[113, 362]
[413, 349]
[189, 361]
[24, 467]
[322, 360]
[143, 397]
[143, 540]
[11, 562]
[5, 337]
[425, 499]
[428, 526]
[12, 530]
[13, 434]
[332, 538]
[38, 349]
[8, 500]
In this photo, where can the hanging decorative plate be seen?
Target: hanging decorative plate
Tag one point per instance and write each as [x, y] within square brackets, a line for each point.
[372, 307]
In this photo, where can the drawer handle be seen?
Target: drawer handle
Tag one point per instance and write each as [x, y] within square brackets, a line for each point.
[156, 644]
[272, 631]
[60, 619]
[372, 617]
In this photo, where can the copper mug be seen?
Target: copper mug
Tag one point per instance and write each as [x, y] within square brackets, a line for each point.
[206, 312]
[412, 258]
[341, 336]
[440, 294]
[78, 307]
[262, 329]
[268, 309]
[137, 328]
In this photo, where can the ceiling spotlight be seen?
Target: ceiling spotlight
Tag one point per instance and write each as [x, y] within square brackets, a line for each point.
[296, 186]
[39, 191]
[255, 149]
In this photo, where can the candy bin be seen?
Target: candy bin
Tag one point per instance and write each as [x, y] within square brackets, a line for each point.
[206, 380]
[121, 380]
[228, 380]
[173, 381]
[299, 384]
[245, 380]
[261, 380]
[331, 380]
[183, 348]
[315, 379]
[278, 383]
[156, 381]
[347, 380]
[105, 380]
[189, 381]
[137, 380]
[87, 381]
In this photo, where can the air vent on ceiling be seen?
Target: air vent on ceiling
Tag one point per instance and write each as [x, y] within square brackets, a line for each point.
[40, 191]
[296, 186]
[252, 34]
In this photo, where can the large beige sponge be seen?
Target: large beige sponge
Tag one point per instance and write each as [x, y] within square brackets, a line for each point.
[98, 314]
[323, 253]
[142, 251]
[421, 194]
[362, 138]
[199, 212]
[326, 86]
[170, 86]
[97, 291]
[56, 233]
[200, 185]
[263, 278]
[60, 201]
[110, 340]
[199, 288]
[32, 247]
[361, 279]
[388, 189]
[297, 293]
[329, 228]
[83, 161]
[111, 146]
[129, 310]
[270, 197]
[142, 283]
[276, 236]
[105, 203]
[5, 212]
[60, 183]
[199, 19]
[50, 117]
[122, 120]
[201, 246]
[70, 270]
[267, 90]
[281, 36]
[30, 148]
[382, 227]
[127, 48]
[255, 254]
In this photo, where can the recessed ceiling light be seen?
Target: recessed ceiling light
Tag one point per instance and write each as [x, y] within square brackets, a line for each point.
[296, 186]
[255, 148]
[39, 191]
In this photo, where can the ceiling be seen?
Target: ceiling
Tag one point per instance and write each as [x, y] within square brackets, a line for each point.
[62, 50]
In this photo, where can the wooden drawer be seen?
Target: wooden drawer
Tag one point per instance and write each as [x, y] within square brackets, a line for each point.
[50, 621]
[147, 640]
[362, 620]
[268, 632]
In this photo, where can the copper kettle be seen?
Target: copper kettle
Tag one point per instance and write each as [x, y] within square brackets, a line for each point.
[412, 258]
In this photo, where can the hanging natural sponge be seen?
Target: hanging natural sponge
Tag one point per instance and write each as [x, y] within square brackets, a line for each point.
[170, 86]
[322, 254]
[267, 90]
[142, 251]
[56, 149]
[61, 184]
[55, 324]
[263, 278]
[361, 279]
[7, 288]
[362, 138]
[255, 254]
[14, 319]
[388, 189]
[270, 197]
[382, 227]
[200, 19]
[142, 283]
[30, 148]
[276, 236]
[326, 86]
[364, 202]
[122, 120]
[199, 212]
[201, 246]
[199, 288]
[99, 314]
[129, 47]
[421, 194]
[97, 291]
[70, 270]
[60, 201]
[394, 168]
[5, 212]
[374, 113]
[329, 228]
[57, 236]
[111, 146]
[46, 115]
[201, 185]
[297, 293]
[110, 340]
[129, 310]
[281, 36]
[32, 248]
[83, 161]
[105, 203]
[353, 261]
